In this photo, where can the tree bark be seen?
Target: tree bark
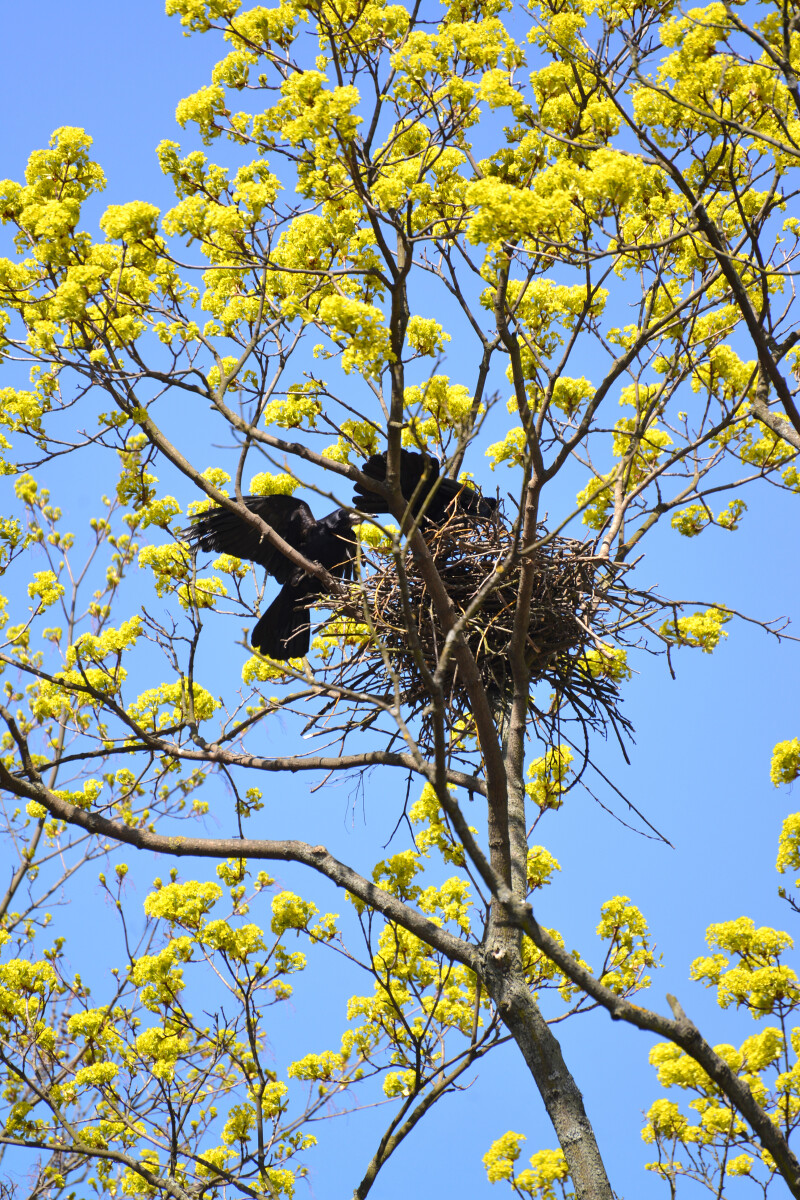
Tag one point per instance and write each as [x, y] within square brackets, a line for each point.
[504, 978]
[505, 982]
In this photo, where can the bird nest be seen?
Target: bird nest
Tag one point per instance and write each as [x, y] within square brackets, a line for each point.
[407, 637]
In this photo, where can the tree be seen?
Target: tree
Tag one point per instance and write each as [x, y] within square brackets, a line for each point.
[471, 188]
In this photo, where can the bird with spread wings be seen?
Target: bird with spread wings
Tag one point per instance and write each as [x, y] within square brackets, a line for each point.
[284, 630]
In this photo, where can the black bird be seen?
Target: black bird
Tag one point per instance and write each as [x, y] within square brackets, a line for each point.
[421, 483]
[284, 629]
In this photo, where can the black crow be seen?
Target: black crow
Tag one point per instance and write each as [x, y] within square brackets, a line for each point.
[284, 629]
[420, 481]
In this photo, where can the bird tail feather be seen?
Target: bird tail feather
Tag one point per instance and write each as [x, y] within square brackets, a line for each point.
[284, 629]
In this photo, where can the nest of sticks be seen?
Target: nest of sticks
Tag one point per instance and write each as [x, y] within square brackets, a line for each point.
[570, 596]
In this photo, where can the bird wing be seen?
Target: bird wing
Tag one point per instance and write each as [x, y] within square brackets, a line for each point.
[414, 468]
[225, 532]
[468, 500]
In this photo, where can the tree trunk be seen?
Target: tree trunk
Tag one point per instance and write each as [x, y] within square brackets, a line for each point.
[504, 978]
[505, 982]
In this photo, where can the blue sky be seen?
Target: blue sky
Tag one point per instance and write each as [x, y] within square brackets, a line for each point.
[699, 768]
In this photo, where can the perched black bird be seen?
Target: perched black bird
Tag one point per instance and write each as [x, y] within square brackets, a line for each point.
[284, 629]
[420, 482]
